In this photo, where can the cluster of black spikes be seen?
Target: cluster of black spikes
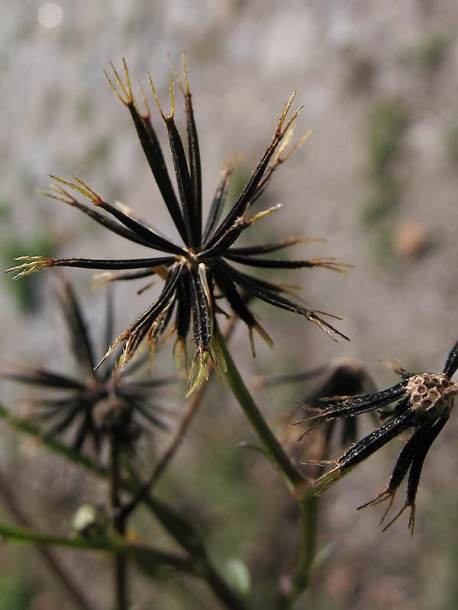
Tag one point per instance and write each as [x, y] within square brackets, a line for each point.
[399, 413]
[91, 407]
[202, 269]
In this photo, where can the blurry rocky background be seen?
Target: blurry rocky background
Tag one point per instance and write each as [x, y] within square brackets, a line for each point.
[377, 180]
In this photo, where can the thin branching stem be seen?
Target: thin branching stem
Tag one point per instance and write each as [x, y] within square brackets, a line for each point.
[294, 584]
[300, 578]
[270, 444]
[140, 552]
[177, 438]
[119, 525]
[197, 563]
[25, 426]
[55, 565]
[307, 550]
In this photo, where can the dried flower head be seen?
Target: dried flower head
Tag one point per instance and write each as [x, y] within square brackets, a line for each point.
[421, 402]
[343, 377]
[346, 378]
[199, 270]
[94, 406]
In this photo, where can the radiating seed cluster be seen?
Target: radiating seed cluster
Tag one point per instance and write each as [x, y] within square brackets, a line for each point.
[91, 408]
[430, 394]
[421, 403]
[205, 266]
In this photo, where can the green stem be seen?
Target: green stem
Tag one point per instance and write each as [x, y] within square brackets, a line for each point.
[111, 544]
[144, 555]
[190, 411]
[198, 564]
[191, 541]
[64, 576]
[119, 526]
[294, 584]
[23, 425]
[302, 571]
[307, 550]
[270, 445]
